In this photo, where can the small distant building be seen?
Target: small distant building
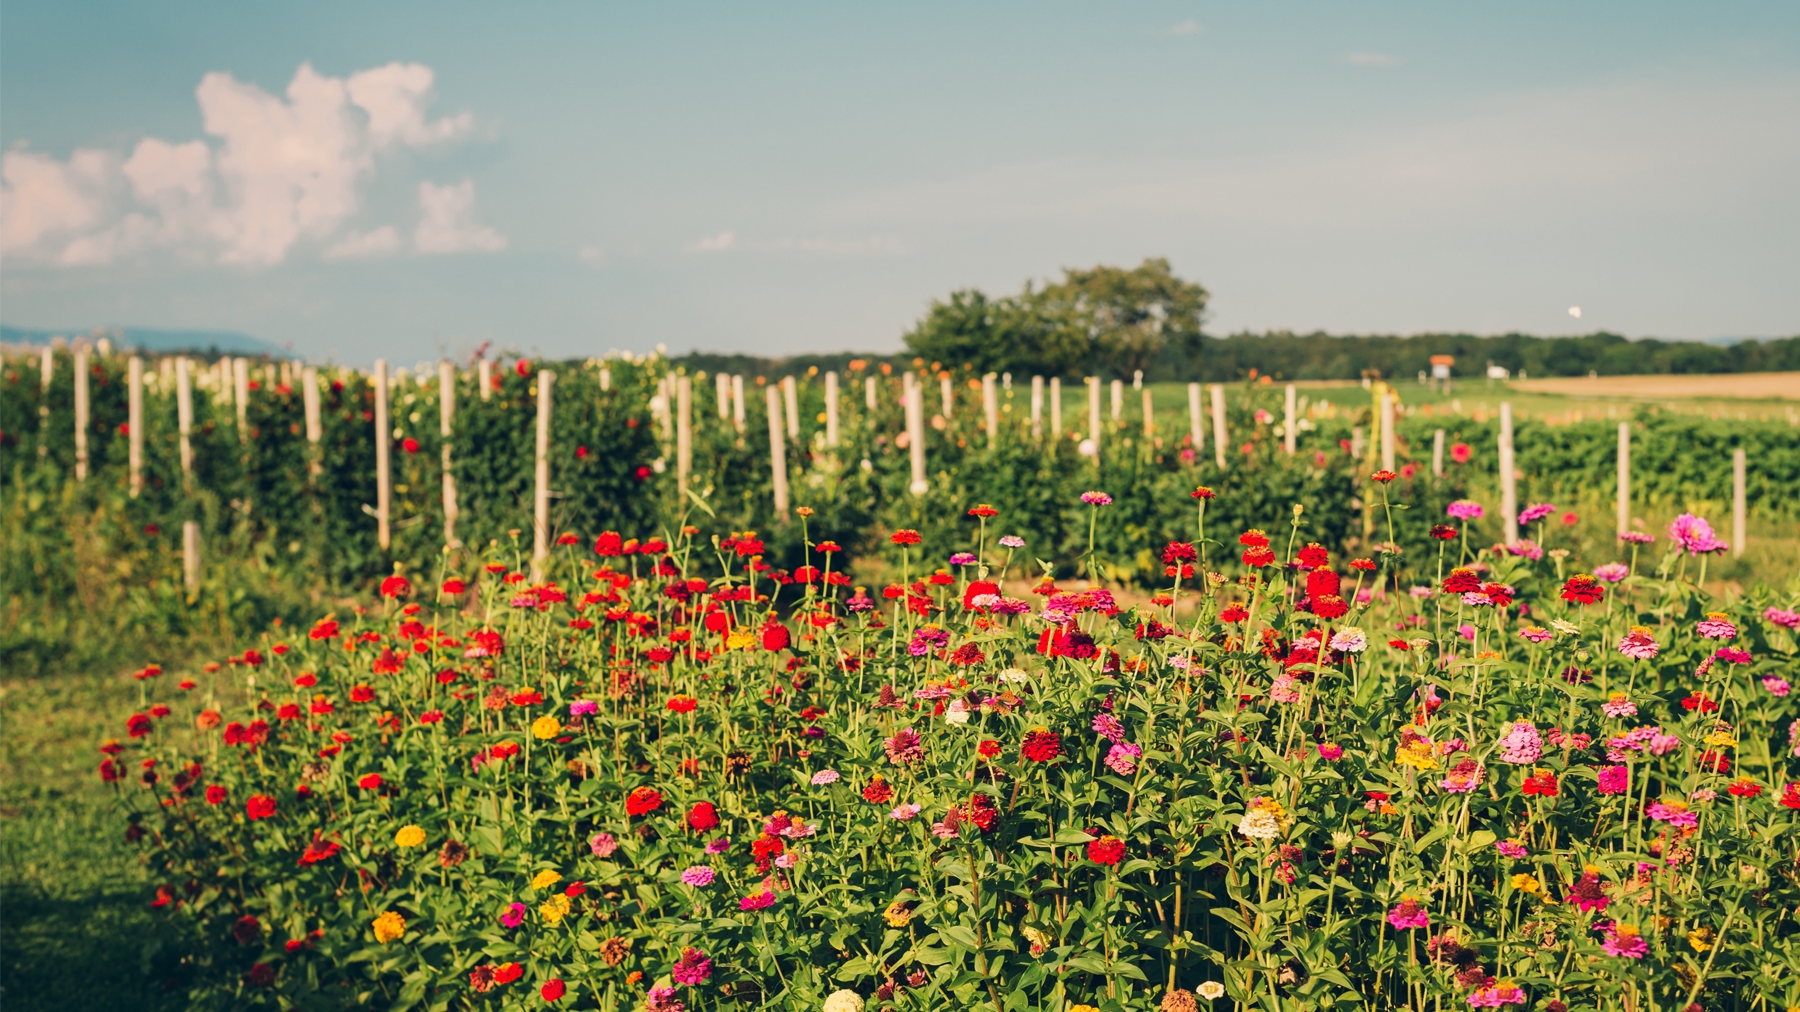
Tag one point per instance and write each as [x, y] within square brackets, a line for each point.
[1440, 366]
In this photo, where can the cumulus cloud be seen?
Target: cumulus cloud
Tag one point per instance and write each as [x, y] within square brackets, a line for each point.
[716, 243]
[448, 224]
[280, 171]
[360, 245]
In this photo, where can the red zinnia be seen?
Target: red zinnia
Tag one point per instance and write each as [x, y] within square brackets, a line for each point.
[702, 817]
[1329, 606]
[904, 536]
[454, 586]
[682, 704]
[774, 636]
[369, 781]
[138, 725]
[1253, 538]
[506, 973]
[1258, 557]
[1442, 532]
[1582, 589]
[988, 749]
[1234, 612]
[1541, 781]
[1041, 745]
[395, 586]
[879, 791]
[1107, 850]
[552, 990]
[1321, 582]
[643, 801]
[260, 806]
[1365, 565]
[984, 510]
[1314, 555]
[1383, 476]
[1202, 493]
[1461, 581]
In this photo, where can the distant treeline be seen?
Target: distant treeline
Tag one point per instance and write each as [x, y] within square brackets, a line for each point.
[1328, 356]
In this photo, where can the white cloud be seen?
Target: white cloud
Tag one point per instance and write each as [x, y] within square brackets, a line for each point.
[448, 224]
[284, 171]
[593, 256]
[1371, 60]
[1188, 27]
[360, 245]
[42, 198]
[395, 97]
[716, 243]
[867, 245]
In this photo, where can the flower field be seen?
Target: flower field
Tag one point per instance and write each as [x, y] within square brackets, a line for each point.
[670, 775]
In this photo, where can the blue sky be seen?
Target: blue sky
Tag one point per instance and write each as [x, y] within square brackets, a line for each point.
[404, 179]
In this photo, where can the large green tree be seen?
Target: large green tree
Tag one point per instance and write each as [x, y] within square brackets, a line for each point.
[1101, 319]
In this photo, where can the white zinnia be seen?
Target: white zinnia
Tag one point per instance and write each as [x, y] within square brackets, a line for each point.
[843, 1001]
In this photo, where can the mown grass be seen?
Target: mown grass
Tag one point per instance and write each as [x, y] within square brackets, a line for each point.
[76, 929]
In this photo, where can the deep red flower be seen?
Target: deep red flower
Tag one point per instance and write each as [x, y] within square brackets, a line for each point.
[879, 791]
[968, 653]
[1442, 532]
[703, 817]
[1178, 551]
[1321, 582]
[682, 704]
[774, 636]
[1314, 555]
[1234, 612]
[410, 445]
[260, 806]
[324, 629]
[395, 586]
[988, 748]
[643, 801]
[984, 510]
[454, 586]
[1041, 745]
[261, 975]
[1202, 493]
[1461, 581]
[1541, 782]
[1253, 538]
[1107, 850]
[506, 973]
[1258, 557]
[369, 781]
[362, 694]
[1329, 606]
[1582, 589]
[1366, 565]
[1383, 476]
[138, 725]
[979, 588]
[552, 990]
[904, 536]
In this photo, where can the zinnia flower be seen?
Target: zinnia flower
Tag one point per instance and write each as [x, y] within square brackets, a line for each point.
[1096, 498]
[1350, 640]
[1612, 572]
[692, 968]
[699, 876]
[409, 836]
[643, 801]
[1122, 758]
[1495, 993]
[1639, 645]
[1694, 535]
[1265, 819]
[1619, 705]
[1408, 914]
[905, 747]
[389, 926]
[1464, 509]
[1615, 780]
[1522, 745]
[1041, 745]
[602, 844]
[1623, 940]
[1716, 626]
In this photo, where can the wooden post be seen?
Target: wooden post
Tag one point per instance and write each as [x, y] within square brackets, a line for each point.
[990, 408]
[134, 423]
[446, 422]
[790, 397]
[1149, 415]
[947, 394]
[831, 409]
[870, 399]
[47, 369]
[1037, 408]
[1509, 490]
[240, 393]
[722, 387]
[684, 432]
[540, 499]
[184, 412]
[1387, 431]
[190, 556]
[1093, 385]
[484, 377]
[1118, 399]
[605, 377]
[1196, 428]
[777, 454]
[915, 433]
[1437, 454]
[81, 412]
[383, 436]
[1624, 492]
[1739, 518]
[737, 402]
[1290, 428]
[1218, 423]
[1056, 426]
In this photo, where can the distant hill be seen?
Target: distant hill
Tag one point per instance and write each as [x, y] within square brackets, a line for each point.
[151, 339]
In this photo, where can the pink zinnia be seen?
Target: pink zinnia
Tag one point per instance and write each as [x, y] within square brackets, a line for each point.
[1776, 686]
[1662, 744]
[1107, 726]
[903, 812]
[905, 747]
[1783, 617]
[514, 916]
[757, 901]
[1511, 848]
[1408, 914]
[1637, 538]
[1493, 994]
[1619, 705]
[1695, 535]
[692, 968]
[662, 999]
[1624, 940]
[1464, 509]
[602, 844]
[1612, 572]
[1283, 691]
[1096, 498]
[699, 876]
[1464, 777]
[1537, 634]
[1327, 750]
[1536, 512]
[1716, 626]
[1732, 655]
[1640, 645]
[1122, 758]
[1522, 744]
[1615, 779]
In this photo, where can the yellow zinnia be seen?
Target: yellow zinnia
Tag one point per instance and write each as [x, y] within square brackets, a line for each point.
[409, 836]
[389, 927]
[545, 879]
[546, 727]
[554, 908]
[1525, 883]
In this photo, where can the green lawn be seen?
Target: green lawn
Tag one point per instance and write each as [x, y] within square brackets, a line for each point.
[76, 929]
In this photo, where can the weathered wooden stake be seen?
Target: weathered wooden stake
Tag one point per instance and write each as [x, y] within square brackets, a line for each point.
[915, 433]
[484, 377]
[870, 398]
[1118, 399]
[1290, 427]
[1387, 431]
[1509, 489]
[1149, 415]
[134, 423]
[1218, 423]
[1437, 454]
[790, 396]
[737, 401]
[1196, 429]
[47, 369]
[1037, 408]
[1056, 426]
[1093, 384]
[831, 409]
[777, 454]
[81, 412]
[1624, 491]
[684, 433]
[1740, 525]
[190, 556]
[540, 499]
[383, 436]
[990, 408]
[446, 423]
[240, 393]
[184, 412]
[722, 387]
